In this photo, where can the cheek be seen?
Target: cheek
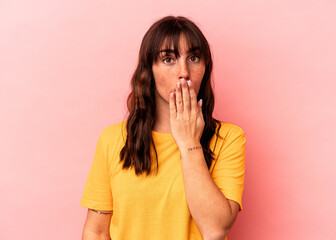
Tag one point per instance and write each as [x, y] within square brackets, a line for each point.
[198, 77]
[163, 82]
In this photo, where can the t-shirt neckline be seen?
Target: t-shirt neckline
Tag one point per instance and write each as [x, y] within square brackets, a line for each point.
[162, 137]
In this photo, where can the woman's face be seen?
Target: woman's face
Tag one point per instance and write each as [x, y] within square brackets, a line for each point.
[168, 70]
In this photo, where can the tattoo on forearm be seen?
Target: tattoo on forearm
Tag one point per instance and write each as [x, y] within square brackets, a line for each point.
[193, 148]
[101, 212]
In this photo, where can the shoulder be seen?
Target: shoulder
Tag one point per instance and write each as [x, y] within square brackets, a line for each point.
[229, 130]
[228, 133]
[114, 132]
[111, 140]
[231, 135]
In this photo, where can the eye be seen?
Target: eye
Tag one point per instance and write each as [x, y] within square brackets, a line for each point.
[195, 58]
[167, 60]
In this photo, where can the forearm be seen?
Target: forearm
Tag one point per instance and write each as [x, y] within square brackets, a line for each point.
[209, 208]
[91, 235]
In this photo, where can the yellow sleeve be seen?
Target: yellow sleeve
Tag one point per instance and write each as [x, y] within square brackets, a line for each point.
[97, 192]
[229, 170]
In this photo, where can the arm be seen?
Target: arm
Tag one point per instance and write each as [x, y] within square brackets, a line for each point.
[97, 225]
[213, 214]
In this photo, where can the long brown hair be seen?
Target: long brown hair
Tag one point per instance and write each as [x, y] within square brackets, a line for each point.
[139, 147]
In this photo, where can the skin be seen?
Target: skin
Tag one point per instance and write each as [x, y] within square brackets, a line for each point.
[97, 225]
[177, 83]
[186, 119]
[167, 72]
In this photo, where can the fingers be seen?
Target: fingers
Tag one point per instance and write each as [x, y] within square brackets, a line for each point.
[193, 98]
[200, 103]
[179, 102]
[185, 98]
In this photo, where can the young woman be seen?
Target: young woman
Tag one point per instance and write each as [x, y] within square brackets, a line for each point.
[170, 171]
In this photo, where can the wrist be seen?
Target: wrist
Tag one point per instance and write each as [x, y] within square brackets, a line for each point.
[191, 147]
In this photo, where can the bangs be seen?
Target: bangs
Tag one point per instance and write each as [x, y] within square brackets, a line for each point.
[169, 39]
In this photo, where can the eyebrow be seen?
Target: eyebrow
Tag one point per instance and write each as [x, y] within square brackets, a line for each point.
[191, 50]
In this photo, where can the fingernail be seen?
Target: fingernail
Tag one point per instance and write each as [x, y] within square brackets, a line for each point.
[189, 83]
[201, 102]
[178, 85]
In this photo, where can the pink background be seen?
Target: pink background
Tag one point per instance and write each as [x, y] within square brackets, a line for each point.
[65, 68]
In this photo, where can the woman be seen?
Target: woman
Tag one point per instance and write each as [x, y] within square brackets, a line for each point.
[170, 171]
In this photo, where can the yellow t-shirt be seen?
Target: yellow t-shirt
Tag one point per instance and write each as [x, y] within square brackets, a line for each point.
[155, 206]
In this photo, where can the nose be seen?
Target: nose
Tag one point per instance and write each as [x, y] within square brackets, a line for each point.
[183, 69]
